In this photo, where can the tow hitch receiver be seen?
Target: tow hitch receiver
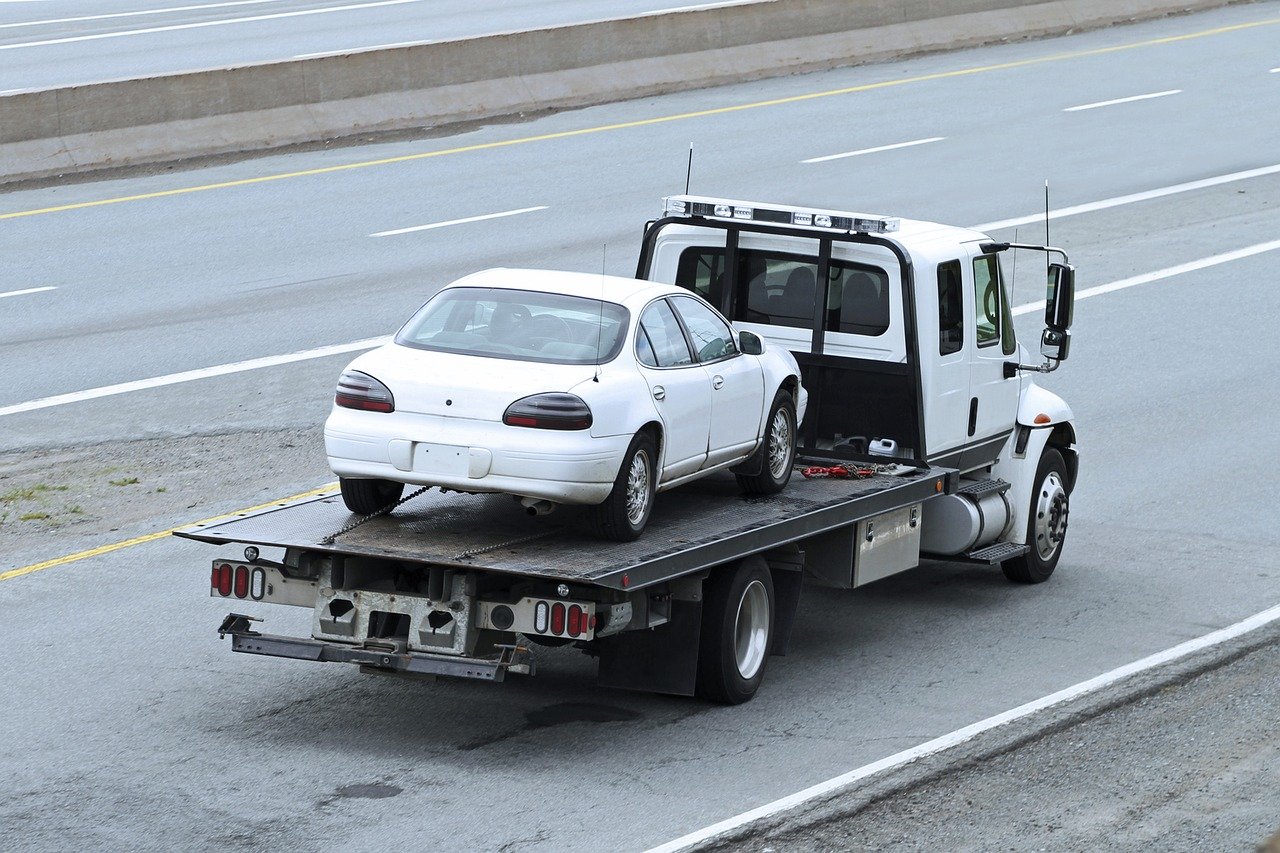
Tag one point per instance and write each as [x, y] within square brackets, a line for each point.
[509, 659]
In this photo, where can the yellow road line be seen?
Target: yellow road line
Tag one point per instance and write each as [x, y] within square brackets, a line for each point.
[151, 537]
[566, 134]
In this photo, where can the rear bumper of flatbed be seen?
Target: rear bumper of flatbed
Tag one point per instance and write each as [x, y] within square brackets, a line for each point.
[511, 659]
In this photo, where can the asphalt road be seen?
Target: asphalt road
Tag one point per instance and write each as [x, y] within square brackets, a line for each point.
[131, 725]
[72, 42]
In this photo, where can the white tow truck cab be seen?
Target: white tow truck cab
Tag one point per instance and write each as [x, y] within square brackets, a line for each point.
[919, 394]
[904, 333]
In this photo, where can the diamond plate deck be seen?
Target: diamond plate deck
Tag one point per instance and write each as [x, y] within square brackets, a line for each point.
[703, 524]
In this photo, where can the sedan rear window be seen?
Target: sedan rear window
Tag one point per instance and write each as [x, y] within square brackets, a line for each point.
[525, 325]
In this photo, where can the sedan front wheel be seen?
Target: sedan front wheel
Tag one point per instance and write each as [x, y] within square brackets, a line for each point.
[778, 450]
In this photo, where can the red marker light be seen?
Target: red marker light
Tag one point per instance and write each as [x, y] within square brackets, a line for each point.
[557, 619]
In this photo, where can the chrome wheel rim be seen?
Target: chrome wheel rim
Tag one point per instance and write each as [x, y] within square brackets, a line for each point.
[1052, 506]
[751, 630]
[780, 444]
[638, 487]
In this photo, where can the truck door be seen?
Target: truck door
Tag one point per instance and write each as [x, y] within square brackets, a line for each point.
[993, 397]
[679, 387]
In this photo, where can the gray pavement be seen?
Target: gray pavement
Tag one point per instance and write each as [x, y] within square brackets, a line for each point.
[130, 725]
[47, 45]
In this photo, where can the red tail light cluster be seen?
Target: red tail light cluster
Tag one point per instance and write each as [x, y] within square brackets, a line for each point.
[358, 390]
[242, 581]
[561, 621]
[549, 411]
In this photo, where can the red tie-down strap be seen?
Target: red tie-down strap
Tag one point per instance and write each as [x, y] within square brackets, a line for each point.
[837, 472]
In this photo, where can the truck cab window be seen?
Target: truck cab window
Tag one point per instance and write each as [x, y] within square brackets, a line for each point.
[950, 308]
[987, 301]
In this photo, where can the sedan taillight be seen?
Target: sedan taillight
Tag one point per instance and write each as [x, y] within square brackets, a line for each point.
[358, 390]
[548, 411]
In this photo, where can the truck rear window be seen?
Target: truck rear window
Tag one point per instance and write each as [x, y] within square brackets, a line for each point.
[781, 289]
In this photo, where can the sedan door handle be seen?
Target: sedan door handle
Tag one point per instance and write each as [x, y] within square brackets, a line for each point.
[716, 382]
[659, 393]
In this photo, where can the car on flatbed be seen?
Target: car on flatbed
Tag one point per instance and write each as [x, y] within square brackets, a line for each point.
[924, 438]
[564, 388]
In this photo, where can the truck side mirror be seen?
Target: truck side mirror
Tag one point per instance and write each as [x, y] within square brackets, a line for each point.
[1060, 297]
[749, 343]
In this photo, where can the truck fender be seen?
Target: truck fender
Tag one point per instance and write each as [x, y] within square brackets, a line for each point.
[1056, 428]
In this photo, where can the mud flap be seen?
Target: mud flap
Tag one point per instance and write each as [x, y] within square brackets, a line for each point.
[660, 660]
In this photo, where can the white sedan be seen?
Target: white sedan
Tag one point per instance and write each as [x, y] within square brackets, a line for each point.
[564, 388]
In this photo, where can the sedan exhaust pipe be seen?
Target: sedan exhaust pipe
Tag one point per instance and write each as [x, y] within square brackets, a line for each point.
[538, 506]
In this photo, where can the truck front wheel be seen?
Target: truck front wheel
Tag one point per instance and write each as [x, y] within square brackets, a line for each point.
[365, 497]
[1046, 522]
[737, 631]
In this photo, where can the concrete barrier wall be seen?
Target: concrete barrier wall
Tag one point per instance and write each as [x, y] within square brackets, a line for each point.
[82, 128]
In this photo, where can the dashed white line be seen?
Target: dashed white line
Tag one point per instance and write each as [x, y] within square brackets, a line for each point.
[464, 221]
[1117, 201]
[189, 375]
[846, 781]
[201, 24]
[135, 14]
[25, 292]
[1128, 100]
[875, 150]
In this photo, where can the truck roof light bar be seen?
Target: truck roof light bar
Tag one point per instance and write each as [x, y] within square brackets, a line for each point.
[805, 217]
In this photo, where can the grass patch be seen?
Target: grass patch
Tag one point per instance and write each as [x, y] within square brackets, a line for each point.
[161, 490]
[75, 509]
[34, 516]
[29, 493]
[124, 481]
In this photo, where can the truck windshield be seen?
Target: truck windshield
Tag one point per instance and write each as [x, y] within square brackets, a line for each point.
[525, 325]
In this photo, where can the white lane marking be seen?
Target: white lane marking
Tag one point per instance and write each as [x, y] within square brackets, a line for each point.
[1117, 201]
[1128, 100]
[1158, 275]
[200, 24]
[722, 5]
[357, 49]
[845, 781]
[135, 14]
[875, 150]
[370, 343]
[25, 292]
[458, 221]
[189, 375]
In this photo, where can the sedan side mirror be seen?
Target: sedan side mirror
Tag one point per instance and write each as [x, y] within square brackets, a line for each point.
[749, 343]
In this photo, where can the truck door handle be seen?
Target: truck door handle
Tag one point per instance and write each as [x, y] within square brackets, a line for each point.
[659, 393]
[716, 382]
[973, 416]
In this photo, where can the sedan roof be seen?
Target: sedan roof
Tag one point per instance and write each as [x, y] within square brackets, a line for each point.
[611, 288]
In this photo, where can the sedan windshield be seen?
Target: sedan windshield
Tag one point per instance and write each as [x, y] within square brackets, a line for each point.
[525, 325]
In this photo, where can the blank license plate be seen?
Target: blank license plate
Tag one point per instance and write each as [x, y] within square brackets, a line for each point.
[441, 459]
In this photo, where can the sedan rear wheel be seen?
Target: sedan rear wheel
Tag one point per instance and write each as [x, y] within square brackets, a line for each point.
[623, 515]
[365, 497]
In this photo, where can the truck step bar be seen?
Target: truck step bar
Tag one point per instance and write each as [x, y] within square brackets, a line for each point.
[993, 554]
[513, 659]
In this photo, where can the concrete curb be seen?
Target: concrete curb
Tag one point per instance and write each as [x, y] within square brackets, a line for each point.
[76, 129]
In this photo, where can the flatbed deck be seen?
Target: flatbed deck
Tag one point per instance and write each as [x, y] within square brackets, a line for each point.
[694, 527]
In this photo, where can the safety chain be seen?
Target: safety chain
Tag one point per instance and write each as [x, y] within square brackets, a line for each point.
[841, 472]
[475, 552]
[328, 540]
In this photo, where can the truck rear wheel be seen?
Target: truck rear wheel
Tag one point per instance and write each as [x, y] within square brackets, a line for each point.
[623, 515]
[778, 450]
[1046, 522]
[364, 497]
[737, 632]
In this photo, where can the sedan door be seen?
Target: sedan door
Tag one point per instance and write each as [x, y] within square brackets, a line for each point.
[679, 387]
[736, 382]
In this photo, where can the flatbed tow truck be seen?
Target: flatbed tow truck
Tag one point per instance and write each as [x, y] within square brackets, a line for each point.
[925, 439]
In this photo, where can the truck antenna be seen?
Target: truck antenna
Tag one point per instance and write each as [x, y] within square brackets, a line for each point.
[688, 172]
[1046, 225]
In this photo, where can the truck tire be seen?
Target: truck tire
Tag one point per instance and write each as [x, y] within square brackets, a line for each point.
[623, 515]
[737, 631]
[365, 497]
[1046, 522]
[778, 449]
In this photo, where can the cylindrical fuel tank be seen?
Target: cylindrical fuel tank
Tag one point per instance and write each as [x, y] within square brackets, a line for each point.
[954, 524]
